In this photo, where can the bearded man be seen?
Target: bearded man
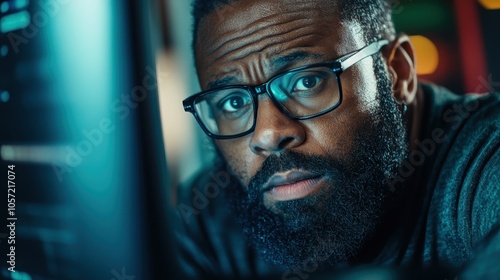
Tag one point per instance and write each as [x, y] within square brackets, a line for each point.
[332, 154]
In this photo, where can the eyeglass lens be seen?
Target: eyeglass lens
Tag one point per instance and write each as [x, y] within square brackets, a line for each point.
[301, 93]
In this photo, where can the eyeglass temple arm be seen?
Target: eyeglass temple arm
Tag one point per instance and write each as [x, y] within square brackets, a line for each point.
[363, 53]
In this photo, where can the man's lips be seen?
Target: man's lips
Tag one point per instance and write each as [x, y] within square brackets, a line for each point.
[291, 185]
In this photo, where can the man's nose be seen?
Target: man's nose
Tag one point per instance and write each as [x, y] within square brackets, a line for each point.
[274, 131]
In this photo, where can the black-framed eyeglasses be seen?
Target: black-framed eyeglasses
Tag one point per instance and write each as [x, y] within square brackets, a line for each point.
[300, 93]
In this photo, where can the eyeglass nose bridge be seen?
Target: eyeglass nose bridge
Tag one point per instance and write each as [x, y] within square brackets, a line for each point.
[264, 89]
[260, 89]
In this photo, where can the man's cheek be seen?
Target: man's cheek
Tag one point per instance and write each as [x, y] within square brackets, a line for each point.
[240, 160]
[238, 167]
[238, 170]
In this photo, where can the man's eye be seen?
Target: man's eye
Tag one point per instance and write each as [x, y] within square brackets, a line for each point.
[306, 82]
[234, 103]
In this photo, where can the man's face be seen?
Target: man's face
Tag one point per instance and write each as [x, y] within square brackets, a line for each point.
[317, 179]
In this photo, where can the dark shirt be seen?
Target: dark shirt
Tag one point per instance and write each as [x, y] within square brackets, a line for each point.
[446, 222]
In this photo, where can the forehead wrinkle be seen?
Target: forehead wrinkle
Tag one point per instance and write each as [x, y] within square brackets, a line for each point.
[276, 41]
[254, 43]
[272, 59]
[266, 24]
[254, 68]
[274, 46]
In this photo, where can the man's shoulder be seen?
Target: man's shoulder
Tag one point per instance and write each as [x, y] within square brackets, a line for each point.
[470, 123]
[470, 131]
[463, 175]
[447, 109]
[464, 127]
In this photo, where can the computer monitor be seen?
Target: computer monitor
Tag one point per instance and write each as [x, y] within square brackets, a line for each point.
[80, 142]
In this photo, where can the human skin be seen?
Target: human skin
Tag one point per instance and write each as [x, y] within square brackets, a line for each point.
[240, 44]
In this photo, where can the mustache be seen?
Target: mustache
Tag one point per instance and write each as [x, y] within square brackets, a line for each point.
[329, 167]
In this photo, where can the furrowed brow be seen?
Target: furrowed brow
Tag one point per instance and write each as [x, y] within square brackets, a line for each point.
[226, 81]
[283, 62]
[278, 64]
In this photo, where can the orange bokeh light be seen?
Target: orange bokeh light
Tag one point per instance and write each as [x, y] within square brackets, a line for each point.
[490, 4]
[427, 55]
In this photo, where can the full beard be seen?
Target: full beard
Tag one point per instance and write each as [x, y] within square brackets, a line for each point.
[328, 227]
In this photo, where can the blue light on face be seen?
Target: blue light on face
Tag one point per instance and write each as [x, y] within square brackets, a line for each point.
[279, 92]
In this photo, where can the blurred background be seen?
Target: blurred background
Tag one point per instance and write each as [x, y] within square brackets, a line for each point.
[91, 116]
[80, 129]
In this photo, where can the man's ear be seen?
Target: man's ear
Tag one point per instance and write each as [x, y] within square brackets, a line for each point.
[400, 58]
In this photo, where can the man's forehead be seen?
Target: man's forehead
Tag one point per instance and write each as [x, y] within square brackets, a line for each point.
[238, 16]
[267, 37]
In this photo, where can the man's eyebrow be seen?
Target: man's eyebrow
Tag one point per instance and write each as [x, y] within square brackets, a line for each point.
[282, 62]
[222, 82]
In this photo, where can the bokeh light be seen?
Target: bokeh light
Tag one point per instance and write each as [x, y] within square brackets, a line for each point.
[427, 55]
[490, 4]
